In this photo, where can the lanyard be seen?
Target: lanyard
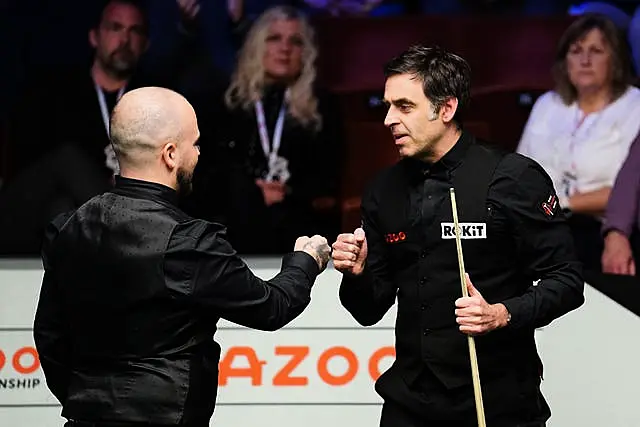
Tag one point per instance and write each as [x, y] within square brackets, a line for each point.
[103, 105]
[582, 129]
[264, 135]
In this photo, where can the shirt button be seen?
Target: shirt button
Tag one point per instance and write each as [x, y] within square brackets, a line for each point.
[423, 307]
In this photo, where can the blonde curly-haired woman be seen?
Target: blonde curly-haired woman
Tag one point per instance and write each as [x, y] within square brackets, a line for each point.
[270, 147]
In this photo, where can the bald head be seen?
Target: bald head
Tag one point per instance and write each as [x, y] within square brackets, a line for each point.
[144, 121]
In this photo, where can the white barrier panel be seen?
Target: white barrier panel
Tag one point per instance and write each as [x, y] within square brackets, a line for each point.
[320, 369]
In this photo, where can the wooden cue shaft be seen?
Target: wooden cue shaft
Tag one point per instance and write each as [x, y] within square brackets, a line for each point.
[475, 371]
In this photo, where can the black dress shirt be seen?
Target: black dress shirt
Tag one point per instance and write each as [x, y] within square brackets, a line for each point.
[132, 292]
[513, 234]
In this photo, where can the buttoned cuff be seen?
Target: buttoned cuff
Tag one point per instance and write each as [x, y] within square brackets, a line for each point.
[514, 307]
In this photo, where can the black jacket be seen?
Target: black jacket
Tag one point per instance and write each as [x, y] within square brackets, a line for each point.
[513, 234]
[232, 159]
[132, 291]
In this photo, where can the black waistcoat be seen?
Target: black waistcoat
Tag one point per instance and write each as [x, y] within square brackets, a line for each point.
[425, 269]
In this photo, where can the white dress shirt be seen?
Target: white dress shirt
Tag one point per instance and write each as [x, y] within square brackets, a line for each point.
[581, 157]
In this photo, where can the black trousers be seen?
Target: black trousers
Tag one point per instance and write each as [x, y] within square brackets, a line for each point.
[512, 399]
[393, 415]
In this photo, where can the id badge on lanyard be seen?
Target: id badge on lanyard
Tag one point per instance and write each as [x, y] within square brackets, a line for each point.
[278, 167]
[581, 134]
[112, 161]
[569, 178]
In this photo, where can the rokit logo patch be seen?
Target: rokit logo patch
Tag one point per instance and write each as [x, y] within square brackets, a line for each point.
[468, 230]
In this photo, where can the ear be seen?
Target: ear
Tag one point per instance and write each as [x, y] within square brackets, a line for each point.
[449, 109]
[170, 155]
[93, 38]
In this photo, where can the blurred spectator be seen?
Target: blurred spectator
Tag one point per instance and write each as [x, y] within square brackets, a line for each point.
[625, 14]
[620, 224]
[270, 154]
[119, 39]
[243, 13]
[581, 132]
[61, 127]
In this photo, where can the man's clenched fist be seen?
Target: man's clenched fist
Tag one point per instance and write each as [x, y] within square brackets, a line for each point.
[317, 247]
[350, 252]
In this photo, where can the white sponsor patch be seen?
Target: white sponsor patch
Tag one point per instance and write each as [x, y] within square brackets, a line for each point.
[468, 230]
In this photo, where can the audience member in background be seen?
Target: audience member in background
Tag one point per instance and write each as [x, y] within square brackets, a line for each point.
[620, 224]
[59, 145]
[625, 14]
[119, 39]
[581, 132]
[270, 159]
[243, 13]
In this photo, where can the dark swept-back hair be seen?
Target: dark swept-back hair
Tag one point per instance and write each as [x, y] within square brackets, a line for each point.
[141, 5]
[620, 58]
[444, 75]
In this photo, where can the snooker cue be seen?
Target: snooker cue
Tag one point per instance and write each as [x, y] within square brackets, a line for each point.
[475, 372]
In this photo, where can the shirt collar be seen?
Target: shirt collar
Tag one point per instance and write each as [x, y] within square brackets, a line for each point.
[456, 154]
[145, 190]
[446, 164]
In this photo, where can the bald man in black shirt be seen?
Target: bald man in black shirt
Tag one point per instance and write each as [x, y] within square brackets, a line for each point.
[133, 287]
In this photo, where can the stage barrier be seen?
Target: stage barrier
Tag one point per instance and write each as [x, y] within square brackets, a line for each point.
[319, 371]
